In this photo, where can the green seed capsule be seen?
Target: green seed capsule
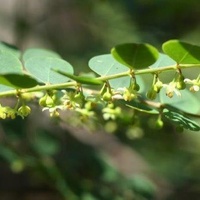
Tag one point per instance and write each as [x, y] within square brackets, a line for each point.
[24, 110]
[107, 96]
[134, 87]
[159, 124]
[49, 101]
[42, 101]
[151, 94]
[158, 86]
[180, 85]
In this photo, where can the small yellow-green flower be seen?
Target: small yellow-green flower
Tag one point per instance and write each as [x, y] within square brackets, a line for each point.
[2, 112]
[195, 84]
[10, 112]
[129, 95]
[171, 89]
[111, 112]
[24, 111]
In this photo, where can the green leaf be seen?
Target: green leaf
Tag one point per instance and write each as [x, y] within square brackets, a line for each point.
[4, 88]
[187, 102]
[5, 47]
[181, 52]
[106, 65]
[41, 69]
[17, 81]
[135, 56]
[34, 52]
[81, 79]
[163, 61]
[181, 120]
[10, 63]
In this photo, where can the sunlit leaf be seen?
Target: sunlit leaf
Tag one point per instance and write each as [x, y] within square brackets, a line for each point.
[9, 63]
[181, 120]
[17, 81]
[135, 56]
[105, 65]
[80, 79]
[4, 88]
[34, 52]
[181, 52]
[5, 47]
[41, 69]
[163, 61]
[187, 102]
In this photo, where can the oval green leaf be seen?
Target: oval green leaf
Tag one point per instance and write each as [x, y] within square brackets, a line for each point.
[181, 120]
[187, 102]
[35, 52]
[135, 56]
[17, 81]
[181, 52]
[10, 63]
[163, 61]
[81, 79]
[106, 65]
[5, 47]
[4, 88]
[41, 69]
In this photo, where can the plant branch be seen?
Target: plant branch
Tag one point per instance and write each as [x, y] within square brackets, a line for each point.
[102, 78]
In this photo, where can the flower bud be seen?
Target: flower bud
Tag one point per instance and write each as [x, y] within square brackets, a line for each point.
[2, 112]
[128, 95]
[49, 101]
[170, 94]
[79, 98]
[10, 112]
[159, 123]
[89, 105]
[42, 101]
[2, 115]
[134, 86]
[180, 84]
[194, 88]
[107, 96]
[158, 86]
[55, 113]
[24, 110]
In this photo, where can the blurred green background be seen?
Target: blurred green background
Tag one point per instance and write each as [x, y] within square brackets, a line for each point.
[41, 158]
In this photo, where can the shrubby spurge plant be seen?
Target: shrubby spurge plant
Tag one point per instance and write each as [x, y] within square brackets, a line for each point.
[116, 82]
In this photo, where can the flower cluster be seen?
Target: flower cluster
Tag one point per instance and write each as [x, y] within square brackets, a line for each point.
[127, 93]
[111, 112]
[8, 112]
[177, 84]
[155, 88]
[171, 89]
[50, 101]
[195, 84]
[87, 103]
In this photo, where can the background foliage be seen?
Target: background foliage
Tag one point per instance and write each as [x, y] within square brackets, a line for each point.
[61, 160]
